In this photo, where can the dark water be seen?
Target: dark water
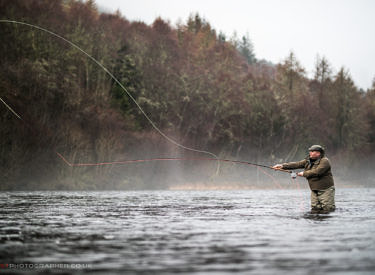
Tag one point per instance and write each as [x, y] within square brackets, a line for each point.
[167, 232]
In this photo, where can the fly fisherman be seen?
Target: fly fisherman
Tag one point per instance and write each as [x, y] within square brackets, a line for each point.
[317, 170]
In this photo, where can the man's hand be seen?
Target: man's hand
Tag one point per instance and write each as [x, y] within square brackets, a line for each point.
[300, 174]
[277, 166]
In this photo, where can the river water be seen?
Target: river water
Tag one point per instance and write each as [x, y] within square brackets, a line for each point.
[191, 232]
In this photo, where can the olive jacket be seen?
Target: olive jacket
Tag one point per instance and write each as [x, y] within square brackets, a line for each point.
[318, 173]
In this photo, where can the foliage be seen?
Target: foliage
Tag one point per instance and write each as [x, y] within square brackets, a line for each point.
[199, 88]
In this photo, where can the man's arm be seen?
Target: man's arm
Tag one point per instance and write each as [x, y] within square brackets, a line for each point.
[291, 165]
[294, 165]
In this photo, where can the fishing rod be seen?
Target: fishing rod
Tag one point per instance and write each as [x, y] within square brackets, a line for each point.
[293, 174]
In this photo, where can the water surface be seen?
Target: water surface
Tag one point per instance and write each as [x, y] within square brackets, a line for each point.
[252, 232]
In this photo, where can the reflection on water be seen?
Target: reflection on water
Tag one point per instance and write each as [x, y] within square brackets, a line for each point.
[317, 216]
[259, 232]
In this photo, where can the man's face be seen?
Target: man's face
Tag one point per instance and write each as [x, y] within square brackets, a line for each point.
[314, 154]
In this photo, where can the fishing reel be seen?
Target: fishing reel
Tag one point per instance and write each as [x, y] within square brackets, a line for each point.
[293, 175]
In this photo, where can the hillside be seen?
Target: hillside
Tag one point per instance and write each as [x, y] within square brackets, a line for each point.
[199, 88]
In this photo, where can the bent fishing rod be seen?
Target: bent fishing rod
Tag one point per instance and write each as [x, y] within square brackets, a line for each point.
[293, 174]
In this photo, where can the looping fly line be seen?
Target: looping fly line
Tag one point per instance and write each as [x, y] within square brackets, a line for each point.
[113, 77]
[139, 107]
[168, 159]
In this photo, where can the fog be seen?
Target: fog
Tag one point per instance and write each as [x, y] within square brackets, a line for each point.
[192, 172]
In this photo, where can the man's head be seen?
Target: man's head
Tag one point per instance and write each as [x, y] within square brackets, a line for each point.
[316, 151]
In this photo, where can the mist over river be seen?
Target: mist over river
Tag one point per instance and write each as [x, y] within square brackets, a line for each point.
[194, 232]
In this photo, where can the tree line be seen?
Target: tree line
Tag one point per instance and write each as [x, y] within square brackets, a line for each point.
[200, 88]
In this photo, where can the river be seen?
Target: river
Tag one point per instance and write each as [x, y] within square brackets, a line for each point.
[190, 232]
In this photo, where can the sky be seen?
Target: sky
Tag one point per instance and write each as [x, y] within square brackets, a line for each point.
[342, 31]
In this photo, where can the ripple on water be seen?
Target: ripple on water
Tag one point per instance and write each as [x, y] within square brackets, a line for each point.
[264, 232]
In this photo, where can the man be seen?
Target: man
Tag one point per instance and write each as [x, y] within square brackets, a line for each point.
[317, 170]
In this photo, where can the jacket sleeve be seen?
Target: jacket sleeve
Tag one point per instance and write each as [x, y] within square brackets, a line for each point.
[322, 167]
[294, 165]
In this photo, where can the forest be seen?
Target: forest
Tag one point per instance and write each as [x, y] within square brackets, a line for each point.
[202, 89]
